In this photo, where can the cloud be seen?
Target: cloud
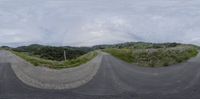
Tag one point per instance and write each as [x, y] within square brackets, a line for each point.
[91, 22]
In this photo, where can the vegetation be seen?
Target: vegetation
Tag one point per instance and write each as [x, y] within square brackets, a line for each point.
[154, 57]
[56, 64]
[52, 53]
[53, 57]
[141, 53]
[138, 45]
[5, 48]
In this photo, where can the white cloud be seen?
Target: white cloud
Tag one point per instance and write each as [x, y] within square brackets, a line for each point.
[91, 22]
[13, 36]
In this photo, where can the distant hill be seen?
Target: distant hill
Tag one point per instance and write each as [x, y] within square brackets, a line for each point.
[56, 53]
[84, 49]
[138, 45]
[51, 52]
[30, 48]
[5, 47]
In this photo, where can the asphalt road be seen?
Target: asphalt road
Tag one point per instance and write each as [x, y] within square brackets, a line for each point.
[116, 79]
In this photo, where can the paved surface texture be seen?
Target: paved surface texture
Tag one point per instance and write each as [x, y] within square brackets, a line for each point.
[115, 79]
[45, 78]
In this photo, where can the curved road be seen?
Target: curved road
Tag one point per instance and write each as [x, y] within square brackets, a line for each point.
[115, 79]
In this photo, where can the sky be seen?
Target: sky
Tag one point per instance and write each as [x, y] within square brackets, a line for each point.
[94, 22]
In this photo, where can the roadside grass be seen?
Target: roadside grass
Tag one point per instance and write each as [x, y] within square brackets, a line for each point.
[159, 57]
[36, 61]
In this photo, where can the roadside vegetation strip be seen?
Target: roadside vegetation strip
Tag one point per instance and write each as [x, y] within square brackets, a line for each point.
[154, 57]
[46, 78]
[36, 61]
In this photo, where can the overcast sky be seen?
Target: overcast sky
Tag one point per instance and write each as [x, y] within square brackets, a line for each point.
[91, 22]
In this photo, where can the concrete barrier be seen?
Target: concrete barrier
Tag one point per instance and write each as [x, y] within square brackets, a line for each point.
[45, 78]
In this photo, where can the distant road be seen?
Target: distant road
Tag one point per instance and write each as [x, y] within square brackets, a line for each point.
[115, 79]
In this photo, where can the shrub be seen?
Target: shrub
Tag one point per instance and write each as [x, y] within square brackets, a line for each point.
[56, 64]
[155, 57]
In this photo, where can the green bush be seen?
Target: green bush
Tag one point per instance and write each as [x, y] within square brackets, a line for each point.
[57, 64]
[155, 57]
[50, 52]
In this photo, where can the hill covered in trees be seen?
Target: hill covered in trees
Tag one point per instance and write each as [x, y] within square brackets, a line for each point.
[57, 53]
[53, 53]
[152, 55]
[138, 45]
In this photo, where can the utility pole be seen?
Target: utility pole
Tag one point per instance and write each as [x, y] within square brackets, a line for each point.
[65, 55]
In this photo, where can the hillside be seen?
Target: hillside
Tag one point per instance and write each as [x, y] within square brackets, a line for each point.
[51, 52]
[138, 45]
[151, 56]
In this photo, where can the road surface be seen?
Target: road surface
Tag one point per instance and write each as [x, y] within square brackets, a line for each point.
[115, 79]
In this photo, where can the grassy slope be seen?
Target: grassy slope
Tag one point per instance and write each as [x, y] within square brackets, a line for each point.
[57, 64]
[155, 57]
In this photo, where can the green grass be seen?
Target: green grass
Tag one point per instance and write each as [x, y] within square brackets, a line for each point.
[56, 64]
[154, 57]
[123, 54]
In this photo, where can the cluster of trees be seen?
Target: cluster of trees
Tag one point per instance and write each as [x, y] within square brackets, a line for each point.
[138, 45]
[154, 57]
[57, 53]
[52, 53]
